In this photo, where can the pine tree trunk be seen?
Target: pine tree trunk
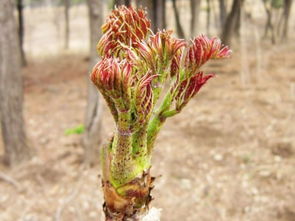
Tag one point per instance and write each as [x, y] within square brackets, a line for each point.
[195, 12]
[21, 31]
[179, 28]
[11, 89]
[92, 136]
[67, 5]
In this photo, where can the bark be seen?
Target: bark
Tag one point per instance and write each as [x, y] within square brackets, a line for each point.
[287, 10]
[229, 26]
[179, 28]
[92, 135]
[222, 12]
[21, 31]
[67, 5]
[195, 12]
[11, 89]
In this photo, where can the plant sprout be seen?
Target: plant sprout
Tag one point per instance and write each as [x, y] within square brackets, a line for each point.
[145, 78]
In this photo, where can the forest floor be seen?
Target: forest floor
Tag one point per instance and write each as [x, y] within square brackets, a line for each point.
[229, 156]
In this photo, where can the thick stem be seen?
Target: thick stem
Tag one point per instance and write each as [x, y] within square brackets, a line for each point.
[128, 201]
[122, 163]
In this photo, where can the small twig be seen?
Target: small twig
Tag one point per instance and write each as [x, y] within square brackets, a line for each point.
[65, 202]
[10, 180]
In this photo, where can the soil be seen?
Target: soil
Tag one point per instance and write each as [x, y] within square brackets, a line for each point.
[229, 156]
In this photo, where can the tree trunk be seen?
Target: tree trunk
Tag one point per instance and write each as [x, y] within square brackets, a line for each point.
[160, 12]
[92, 136]
[222, 11]
[122, 2]
[269, 26]
[179, 28]
[67, 5]
[21, 31]
[238, 22]
[195, 12]
[11, 89]
[287, 10]
[208, 16]
[230, 22]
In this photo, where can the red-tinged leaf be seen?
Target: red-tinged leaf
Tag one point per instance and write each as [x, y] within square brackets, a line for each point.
[189, 88]
[110, 74]
[202, 49]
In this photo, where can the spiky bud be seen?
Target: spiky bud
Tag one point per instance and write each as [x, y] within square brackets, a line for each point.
[159, 49]
[202, 49]
[165, 45]
[113, 78]
[125, 26]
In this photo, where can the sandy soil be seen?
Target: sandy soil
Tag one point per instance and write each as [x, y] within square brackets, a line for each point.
[229, 156]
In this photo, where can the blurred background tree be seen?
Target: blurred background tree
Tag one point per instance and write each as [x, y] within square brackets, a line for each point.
[21, 30]
[92, 137]
[15, 140]
[231, 22]
[67, 4]
[195, 6]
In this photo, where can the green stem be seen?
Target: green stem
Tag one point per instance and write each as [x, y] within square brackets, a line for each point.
[157, 121]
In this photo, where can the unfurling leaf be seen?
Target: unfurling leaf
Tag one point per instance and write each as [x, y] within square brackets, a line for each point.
[144, 98]
[201, 50]
[189, 88]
